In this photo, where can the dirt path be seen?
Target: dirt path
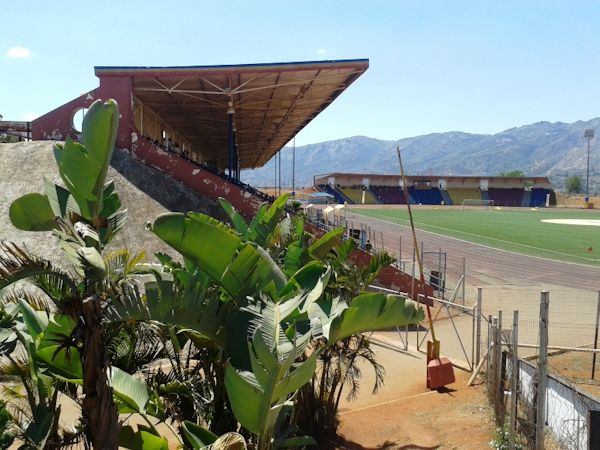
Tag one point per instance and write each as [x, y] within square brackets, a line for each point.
[407, 415]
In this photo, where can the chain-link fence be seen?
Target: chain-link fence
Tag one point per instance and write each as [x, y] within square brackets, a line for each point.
[571, 316]
[535, 402]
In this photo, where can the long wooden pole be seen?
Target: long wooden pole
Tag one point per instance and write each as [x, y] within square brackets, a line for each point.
[478, 368]
[415, 243]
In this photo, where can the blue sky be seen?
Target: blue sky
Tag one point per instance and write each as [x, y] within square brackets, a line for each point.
[434, 65]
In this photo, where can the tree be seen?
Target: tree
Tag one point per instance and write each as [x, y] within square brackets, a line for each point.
[512, 173]
[339, 369]
[84, 217]
[574, 184]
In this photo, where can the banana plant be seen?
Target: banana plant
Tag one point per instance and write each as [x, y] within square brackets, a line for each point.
[51, 360]
[84, 215]
[264, 223]
[23, 334]
[339, 370]
[266, 339]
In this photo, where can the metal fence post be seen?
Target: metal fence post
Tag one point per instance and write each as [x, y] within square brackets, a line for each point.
[439, 282]
[596, 336]
[400, 254]
[412, 283]
[464, 280]
[490, 343]
[542, 372]
[473, 336]
[478, 327]
[499, 388]
[514, 381]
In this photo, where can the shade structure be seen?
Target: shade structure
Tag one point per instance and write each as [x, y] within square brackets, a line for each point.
[269, 103]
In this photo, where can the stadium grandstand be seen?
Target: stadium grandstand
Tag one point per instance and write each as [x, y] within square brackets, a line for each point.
[202, 125]
[355, 188]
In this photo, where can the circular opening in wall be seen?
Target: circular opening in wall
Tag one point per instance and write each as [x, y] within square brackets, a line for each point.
[78, 116]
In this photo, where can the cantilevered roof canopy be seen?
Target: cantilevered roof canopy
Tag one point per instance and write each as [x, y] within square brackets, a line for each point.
[270, 102]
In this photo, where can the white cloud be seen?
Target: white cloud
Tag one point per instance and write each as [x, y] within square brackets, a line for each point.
[321, 51]
[30, 116]
[18, 52]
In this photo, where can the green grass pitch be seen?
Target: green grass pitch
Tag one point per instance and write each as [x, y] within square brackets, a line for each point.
[515, 230]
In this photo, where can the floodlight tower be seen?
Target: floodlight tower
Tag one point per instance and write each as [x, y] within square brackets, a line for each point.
[588, 134]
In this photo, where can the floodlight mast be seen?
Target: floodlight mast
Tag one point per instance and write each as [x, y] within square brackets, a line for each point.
[588, 134]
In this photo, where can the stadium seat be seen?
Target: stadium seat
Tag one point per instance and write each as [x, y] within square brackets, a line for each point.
[355, 195]
[431, 196]
[538, 197]
[506, 197]
[390, 195]
[458, 195]
[338, 196]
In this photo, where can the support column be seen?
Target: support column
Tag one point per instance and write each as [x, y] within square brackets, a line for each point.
[230, 140]
[294, 168]
[279, 164]
[237, 163]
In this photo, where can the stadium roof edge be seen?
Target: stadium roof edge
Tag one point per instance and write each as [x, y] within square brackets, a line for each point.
[362, 62]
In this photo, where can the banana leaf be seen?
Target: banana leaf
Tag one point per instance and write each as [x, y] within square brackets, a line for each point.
[371, 312]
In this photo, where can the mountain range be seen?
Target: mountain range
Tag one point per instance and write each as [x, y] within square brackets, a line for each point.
[552, 149]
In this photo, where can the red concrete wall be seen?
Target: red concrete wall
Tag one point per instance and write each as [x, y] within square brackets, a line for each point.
[202, 181]
[389, 276]
[120, 89]
[393, 278]
[58, 123]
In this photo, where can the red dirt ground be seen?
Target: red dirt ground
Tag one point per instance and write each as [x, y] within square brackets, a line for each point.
[577, 369]
[458, 418]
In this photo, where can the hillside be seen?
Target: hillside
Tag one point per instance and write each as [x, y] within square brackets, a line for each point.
[145, 193]
[554, 149]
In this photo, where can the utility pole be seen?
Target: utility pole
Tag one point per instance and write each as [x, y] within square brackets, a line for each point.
[588, 134]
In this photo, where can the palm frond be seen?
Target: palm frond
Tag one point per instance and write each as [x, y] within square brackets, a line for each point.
[14, 370]
[17, 264]
[171, 304]
[30, 295]
[122, 263]
[181, 390]
[134, 345]
[74, 437]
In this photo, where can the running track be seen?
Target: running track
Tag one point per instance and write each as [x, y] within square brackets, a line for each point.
[485, 265]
